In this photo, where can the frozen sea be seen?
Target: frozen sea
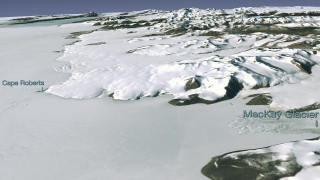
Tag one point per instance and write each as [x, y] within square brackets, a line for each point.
[43, 136]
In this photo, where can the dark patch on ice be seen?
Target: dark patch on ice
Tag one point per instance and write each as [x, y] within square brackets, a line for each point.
[160, 20]
[234, 86]
[260, 60]
[260, 99]
[305, 45]
[149, 35]
[98, 43]
[303, 66]
[313, 106]
[111, 95]
[126, 25]
[110, 23]
[268, 13]
[260, 85]
[193, 99]
[314, 139]
[75, 35]
[250, 166]
[212, 33]
[232, 89]
[317, 164]
[174, 32]
[72, 42]
[308, 13]
[317, 152]
[97, 24]
[115, 24]
[247, 13]
[254, 95]
[270, 29]
[192, 84]
[129, 17]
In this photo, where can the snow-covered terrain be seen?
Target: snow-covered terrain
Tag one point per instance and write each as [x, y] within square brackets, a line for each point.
[95, 118]
[167, 49]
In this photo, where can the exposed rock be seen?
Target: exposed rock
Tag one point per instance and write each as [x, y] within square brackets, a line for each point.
[308, 108]
[90, 14]
[232, 90]
[110, 23]
[305, 45]
[260, 100]
[158, 20]
[192, 84]
[258, 86]
[114, 26]
[212, 33]
[23, 19]
[98, 43]
[76, 34]
[97, 24]
[308, 13]
[302, 31]
[267, 163]
[252, 165]
[126, 22]
[179, 30]
[268, 13]
[234, 86]
[248, 13]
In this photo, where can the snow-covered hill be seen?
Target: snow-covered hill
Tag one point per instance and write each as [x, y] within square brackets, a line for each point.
[223, 52]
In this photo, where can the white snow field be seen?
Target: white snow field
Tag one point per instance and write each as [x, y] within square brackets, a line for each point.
[142, 60]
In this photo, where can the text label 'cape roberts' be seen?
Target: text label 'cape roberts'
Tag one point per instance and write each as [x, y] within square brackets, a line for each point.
[22, 83]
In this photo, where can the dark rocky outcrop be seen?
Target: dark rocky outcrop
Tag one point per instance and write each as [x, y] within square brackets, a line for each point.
[308, 13]
[232, 90]
[248, 13]
[97, 24]
[74, 35]
[90, 14]
[212, 33]
[270, 29]
[113, 25]
[98, 43]
[192, 84]
[268, 13]
[260, 99]
[305, 45]
[313, 106]
[250, 165]
[260, 85]
[179, 30]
